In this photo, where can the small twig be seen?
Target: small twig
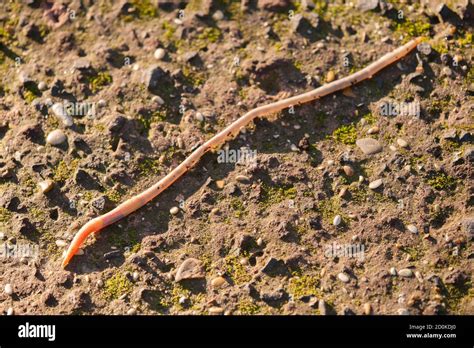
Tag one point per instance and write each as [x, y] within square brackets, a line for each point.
[228, 133]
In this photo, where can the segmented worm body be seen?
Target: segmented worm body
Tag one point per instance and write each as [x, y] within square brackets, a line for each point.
[136, 202]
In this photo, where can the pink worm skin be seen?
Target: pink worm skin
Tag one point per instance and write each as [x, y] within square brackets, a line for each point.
[136, 202]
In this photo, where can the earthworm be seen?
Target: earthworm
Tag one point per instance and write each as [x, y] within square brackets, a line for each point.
[136, 202]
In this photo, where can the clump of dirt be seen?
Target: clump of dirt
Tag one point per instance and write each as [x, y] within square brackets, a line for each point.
[360, 202]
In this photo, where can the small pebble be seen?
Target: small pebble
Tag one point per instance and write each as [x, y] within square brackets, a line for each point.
[373, 130]
[101, 103]
[45, 186]
[199, 116]
[10, 311]
[2, 236]
[447, 71]
[8, 289]
[375, 184]
[393, 271]
[42, 86]
[159, 53]
[218, 282]
[260, 241]
[294, 148]
[403, 311]
[56, 137]
[100, 283]
[157, 99]
[402, 143]
[406, 272]
[174, 210]
[135, 276]
[348, 170]
[343, 277]
[412, 229]
[132, 311]
[218, 15]
[337, 220]
[216, 310]
[367, 309]
[331, 76]
[61, 243]
[62, 115]
[242, 178]
[220, 184]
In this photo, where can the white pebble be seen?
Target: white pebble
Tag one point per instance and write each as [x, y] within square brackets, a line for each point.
[132, 311]
[343, 277]
[337, 220]
[174, 210]
[402, 142]
[101, 103]
[135, 276]
[56, 137]
[61, 243]
[393, 271]
[10, 311]
[218, 15]
[159, 53]
[406, 272]
[375, 184]
[62, 115]
[157, 99]
[199, 116]
[45, 186]
[8, 289]
[294, 148]
[42, 86]
[412, 229]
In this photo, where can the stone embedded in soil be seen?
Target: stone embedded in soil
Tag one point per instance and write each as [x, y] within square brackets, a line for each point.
[273, 5]
[367, 309]
[157, 99]
[367, 5]
[61, 243]
[343, 277]
[159, 53]
[242, 178]
[8, 289]
[190, 269]
[468, 226]
[10, 311]
[274, 267]
[45, 186]
[331, 76]
[337, 220]
[56, 137]
[152, 78]
[348, 170]
[174, 210]
[369, 146]
[61, 113]
[375, 184]
[403, 311]
[216, 310]
[406, 273]
[218, 282]
[323, 308]
[218, 15]
[402, 143]
[132, 311]
[412, 228]
[112, 254]
[393, 271]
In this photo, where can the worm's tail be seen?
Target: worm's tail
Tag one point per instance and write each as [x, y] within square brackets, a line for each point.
[92, 226]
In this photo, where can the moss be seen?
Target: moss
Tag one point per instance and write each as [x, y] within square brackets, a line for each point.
[99, 81]
[114, 195]
[248, 307]
[238, 207]
[5, 215]
[149, 166]
[236, 270]
[442, 182]
[345, 134]
[305, 285]
[127, 238]
[271, 195]
[194, 78]
[37, 214]
[451, 145]
[63, 171]
[440, 47]
[116, 286]
[466, 40]
[416, 253]
[169, 31]
[412, 28]
[328, 208]
[370, 118]
[209, 35]
[455, 294]
[144, 9]
[146, 120]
